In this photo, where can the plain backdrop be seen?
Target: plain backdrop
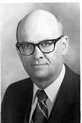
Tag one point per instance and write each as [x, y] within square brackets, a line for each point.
[11, 13]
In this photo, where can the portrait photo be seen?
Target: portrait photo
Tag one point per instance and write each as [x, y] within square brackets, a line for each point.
[40, 62]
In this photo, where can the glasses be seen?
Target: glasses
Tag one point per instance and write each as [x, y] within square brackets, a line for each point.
[46, 46]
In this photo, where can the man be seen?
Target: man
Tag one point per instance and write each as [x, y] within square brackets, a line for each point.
[41, 46]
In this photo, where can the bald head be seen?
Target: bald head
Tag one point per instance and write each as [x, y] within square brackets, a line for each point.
[39, 25]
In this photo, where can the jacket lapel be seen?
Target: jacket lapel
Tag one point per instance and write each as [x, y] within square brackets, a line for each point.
[29, 102]
[61, 102]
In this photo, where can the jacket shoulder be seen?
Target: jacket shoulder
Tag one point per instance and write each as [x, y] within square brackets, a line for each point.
[72, 76]
[18, 91]
[20, 85]
[72, 84]
[17, 97]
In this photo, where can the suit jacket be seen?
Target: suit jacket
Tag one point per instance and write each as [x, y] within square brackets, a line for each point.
[16, 104]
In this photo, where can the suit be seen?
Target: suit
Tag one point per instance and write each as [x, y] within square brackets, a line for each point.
[16, 104]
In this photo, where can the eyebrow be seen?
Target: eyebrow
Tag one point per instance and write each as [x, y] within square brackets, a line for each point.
[56, 39]
[28, 42]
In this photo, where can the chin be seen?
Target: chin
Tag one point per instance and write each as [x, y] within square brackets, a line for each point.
[39, 75]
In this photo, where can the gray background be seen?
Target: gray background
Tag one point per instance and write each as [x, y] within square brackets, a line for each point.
[10, 14]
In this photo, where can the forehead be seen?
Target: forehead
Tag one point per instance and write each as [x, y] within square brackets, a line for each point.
[37, 26]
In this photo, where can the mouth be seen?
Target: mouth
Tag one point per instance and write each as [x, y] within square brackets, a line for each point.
[37, 65]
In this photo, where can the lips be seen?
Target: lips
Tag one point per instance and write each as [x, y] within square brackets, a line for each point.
[39, 64]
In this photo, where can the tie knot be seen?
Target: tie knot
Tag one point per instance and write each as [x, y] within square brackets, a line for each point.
[41, 95]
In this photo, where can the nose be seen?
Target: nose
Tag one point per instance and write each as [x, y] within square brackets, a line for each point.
[37, 53]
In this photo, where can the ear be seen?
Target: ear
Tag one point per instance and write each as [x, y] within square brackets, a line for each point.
[64, 44]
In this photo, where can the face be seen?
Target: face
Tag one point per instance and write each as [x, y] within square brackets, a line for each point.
[43, 68]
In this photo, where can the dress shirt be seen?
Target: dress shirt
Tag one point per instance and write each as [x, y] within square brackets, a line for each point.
[51, 91]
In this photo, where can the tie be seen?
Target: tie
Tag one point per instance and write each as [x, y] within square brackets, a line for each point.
[40, 114]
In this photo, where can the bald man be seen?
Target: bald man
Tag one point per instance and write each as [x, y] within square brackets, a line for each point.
[51, 93]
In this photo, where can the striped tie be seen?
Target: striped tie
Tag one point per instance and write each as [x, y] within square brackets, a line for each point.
[40, 114]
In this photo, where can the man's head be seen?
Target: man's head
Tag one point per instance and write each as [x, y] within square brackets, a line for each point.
[41, 56]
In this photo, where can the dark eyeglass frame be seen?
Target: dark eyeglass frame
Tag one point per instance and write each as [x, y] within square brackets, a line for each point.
[19, 44]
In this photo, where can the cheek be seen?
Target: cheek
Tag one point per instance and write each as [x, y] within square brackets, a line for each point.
[26, 61]
[55, 60]
[55, 65]
[52, 57]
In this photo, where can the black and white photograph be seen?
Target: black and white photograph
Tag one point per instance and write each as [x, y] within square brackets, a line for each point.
[40, 62]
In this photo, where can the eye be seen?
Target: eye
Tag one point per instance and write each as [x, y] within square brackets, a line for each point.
[25, 45]
[46, 43]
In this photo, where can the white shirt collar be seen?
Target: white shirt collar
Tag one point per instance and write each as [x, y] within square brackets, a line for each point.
[54, 87]
[52, 90]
